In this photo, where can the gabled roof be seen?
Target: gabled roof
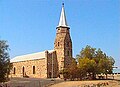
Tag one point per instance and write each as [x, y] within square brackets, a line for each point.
[33, 56]
[63, 21]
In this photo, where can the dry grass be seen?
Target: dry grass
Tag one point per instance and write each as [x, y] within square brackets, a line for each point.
[105, 83]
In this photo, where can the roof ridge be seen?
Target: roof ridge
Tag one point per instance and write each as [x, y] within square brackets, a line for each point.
[33, 56]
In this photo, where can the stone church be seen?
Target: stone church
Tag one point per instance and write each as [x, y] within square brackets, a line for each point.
[48, 63]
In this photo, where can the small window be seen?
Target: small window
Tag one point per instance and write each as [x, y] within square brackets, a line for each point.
[67, 53]
[33, 69]
[58, 44]
[67, 44]
[14, 70]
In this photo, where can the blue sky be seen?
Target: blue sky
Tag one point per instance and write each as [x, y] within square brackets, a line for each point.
[30, 25]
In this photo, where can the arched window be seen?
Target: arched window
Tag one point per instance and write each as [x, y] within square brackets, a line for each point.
[33, 69]
[23, 70]
[14, 70]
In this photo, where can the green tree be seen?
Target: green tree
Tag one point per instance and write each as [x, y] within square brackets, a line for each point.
[87, 52]
[88, 66]
[92, 61]
[99, 55]
[4, 61]
[106, 65]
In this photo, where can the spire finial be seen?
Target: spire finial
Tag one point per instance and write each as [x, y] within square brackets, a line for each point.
[63, 4]
[62, 22]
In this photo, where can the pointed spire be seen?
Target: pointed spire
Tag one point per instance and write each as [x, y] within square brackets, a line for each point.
[63, 22]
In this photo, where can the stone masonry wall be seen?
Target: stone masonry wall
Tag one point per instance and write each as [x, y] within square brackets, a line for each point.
[63, 47]
[52, 57]
[40, 68]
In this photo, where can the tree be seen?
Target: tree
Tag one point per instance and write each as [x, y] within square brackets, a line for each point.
[5, 65]
[106, 65]
[88, 66]
[64, 72]
[99, 55]
[72, 69]
[87, 52]
[92, 61]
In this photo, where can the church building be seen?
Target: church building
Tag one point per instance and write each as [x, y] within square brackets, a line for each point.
[48, 63]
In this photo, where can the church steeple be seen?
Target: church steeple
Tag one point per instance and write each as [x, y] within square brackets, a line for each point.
[63, 42]
[63, 21]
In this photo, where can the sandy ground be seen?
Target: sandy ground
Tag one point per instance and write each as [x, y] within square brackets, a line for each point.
[104, 83]
[111, 83]
[39, 82]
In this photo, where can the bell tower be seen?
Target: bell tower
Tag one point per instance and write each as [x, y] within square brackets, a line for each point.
[63, 43]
